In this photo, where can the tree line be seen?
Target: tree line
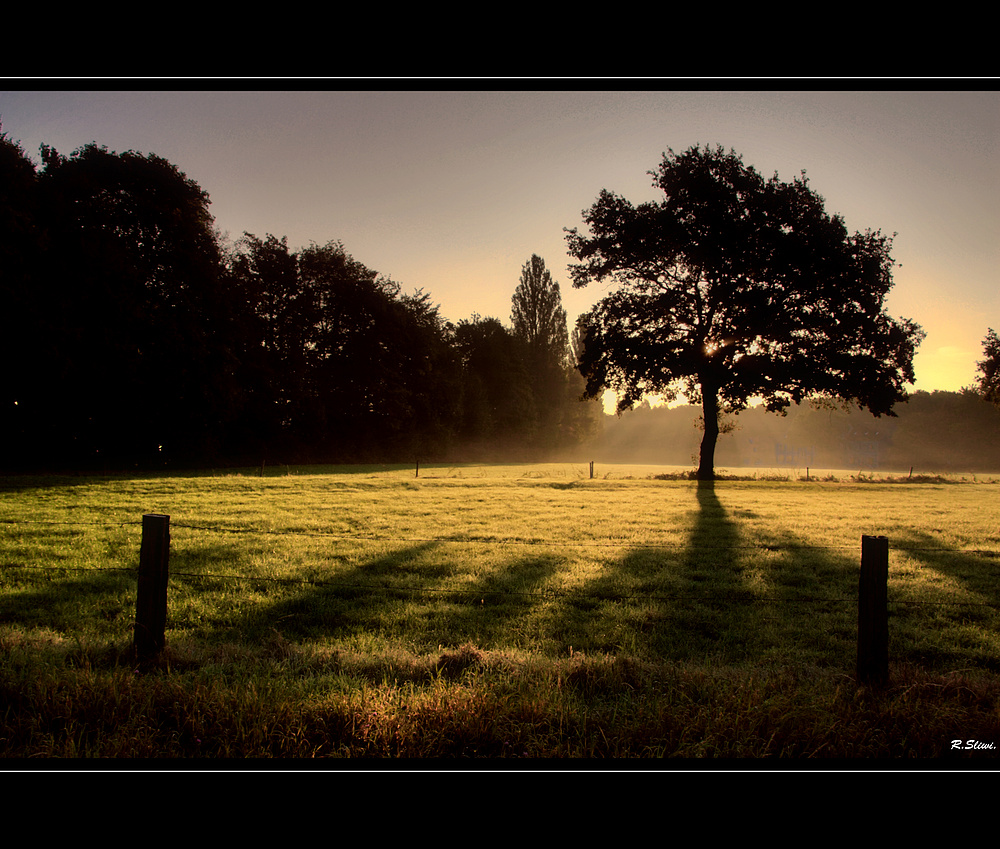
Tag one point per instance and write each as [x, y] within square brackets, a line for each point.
[134, 335]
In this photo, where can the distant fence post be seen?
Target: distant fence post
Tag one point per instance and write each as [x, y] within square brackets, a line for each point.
[873, 613]
[151, 594]
[591, 469]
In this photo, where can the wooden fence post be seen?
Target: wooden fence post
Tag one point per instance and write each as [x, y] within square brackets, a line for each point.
[873, 613]
[151, 594]
[591, 469]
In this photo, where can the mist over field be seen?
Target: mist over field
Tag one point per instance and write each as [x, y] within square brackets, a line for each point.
[932, 432]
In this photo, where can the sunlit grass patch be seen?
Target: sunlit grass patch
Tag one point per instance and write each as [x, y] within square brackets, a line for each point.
[477, 599]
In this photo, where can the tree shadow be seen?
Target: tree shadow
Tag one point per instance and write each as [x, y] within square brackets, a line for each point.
[951, 616]
[407, 594]
[666, 602]
[54, 602]
[21, 484]
[715, 620]
[976, 571]
[737, 592]
[504, 607]
[325, 604]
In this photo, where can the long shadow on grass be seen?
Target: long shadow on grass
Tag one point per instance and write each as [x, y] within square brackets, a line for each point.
[499, 609]
[333, 602]
[941, 626]
[805, 598]
[662, 602]
[975, 570]
[50, 599]
[739, 592]
[404, 595]
[714, 621]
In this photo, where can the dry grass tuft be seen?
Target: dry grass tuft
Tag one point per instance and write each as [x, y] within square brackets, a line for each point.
[451, 664]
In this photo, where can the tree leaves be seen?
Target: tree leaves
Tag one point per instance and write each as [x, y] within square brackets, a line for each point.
[741, 287]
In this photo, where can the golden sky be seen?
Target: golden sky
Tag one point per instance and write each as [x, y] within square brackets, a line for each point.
[452, 191]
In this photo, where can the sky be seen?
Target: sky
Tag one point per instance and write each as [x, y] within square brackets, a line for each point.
[452, 191]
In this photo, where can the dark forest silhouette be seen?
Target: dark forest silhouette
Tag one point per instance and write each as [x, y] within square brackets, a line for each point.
[134, 337]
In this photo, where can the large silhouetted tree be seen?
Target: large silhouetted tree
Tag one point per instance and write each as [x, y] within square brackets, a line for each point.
[539, 325]
[21, 303]
[538, 317]
[734, 287]
[124, 308]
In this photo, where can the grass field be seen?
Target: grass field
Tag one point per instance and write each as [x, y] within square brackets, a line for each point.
[499, 611]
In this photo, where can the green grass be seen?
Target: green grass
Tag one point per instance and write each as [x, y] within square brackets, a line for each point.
[498, 611]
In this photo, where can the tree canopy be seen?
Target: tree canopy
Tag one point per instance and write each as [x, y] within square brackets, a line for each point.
[988, 381]
[539, 325]
[497, 401]
[133, 335]
[335, 362]
[537, 314]
[116, 309]
[735, 288]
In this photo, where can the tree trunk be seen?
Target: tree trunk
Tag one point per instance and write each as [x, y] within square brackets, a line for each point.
[710, 415]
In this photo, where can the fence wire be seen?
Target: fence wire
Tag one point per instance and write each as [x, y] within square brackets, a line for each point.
[741, 597]
[494, 540]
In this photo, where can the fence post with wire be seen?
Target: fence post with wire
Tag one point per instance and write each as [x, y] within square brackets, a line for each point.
[151, 592]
